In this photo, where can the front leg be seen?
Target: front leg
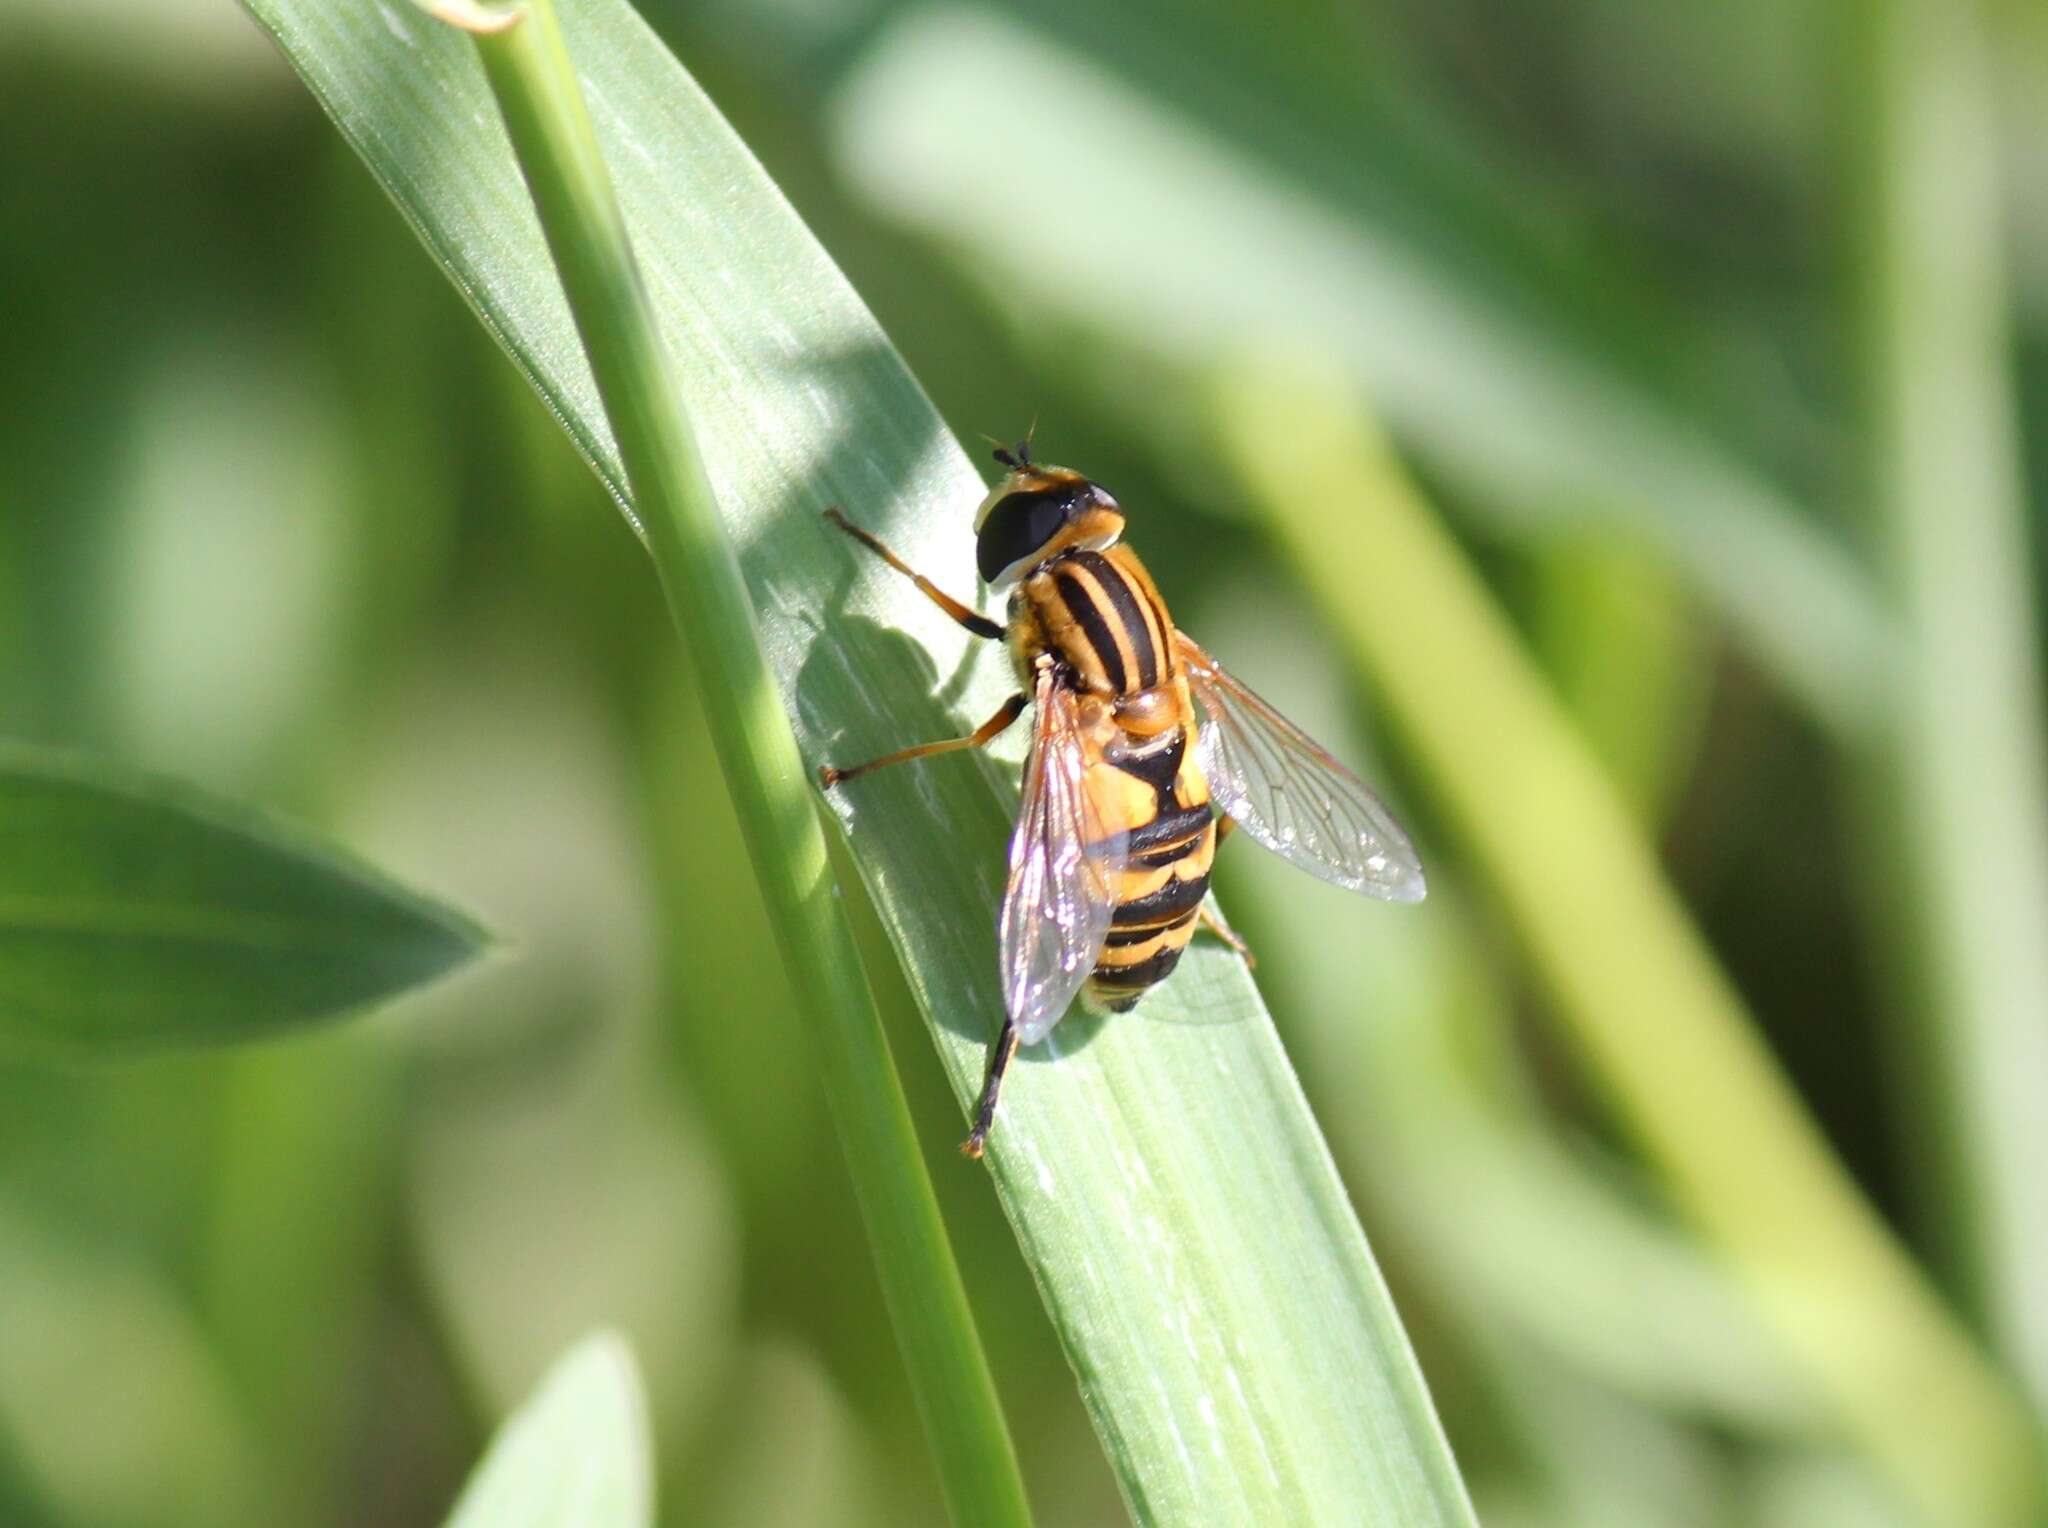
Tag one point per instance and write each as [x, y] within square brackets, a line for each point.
[975, 622]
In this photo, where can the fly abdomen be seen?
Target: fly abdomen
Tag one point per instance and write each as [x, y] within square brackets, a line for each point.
[1166, 839]
[1164, 881]
[1181, 892]
[1099, 613]
[1126, 972]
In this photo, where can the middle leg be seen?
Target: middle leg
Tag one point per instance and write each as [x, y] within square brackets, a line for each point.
[1010, 710]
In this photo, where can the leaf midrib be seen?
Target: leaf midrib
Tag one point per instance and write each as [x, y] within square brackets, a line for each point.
[90, 917]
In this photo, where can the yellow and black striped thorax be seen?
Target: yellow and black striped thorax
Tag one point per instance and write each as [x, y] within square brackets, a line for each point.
[1099, 613]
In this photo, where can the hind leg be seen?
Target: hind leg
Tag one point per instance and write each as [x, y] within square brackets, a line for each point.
[985, 1111]
[1212, 920]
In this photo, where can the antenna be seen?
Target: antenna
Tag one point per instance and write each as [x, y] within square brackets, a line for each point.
[1017, 457]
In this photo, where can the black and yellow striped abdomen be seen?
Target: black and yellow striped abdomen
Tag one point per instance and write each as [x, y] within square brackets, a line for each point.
[1101, 616]
[1171, 832]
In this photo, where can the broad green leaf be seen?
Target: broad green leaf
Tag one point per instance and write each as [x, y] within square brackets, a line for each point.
[574, 1456]
[137, 914]
[1232, 1337]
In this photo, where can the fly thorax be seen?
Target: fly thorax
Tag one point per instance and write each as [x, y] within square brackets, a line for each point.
[1026, 639]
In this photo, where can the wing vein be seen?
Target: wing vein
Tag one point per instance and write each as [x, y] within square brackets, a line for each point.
[1290, 795]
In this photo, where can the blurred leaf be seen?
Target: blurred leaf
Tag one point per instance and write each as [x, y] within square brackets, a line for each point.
[110, 1395]
[1632, 982]
[1799, 1488]
[190, 55]
[1410, 1036]
[1601, 1461]
[225, 579]
[135, 913]
[790, 1450]
[1194, 250]
[1235, 1345]
[288, 1281]
[1956, 834]
[575, 1456]
[1625, 650]
[538, 1103]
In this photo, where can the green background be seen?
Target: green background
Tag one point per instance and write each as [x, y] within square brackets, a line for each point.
[276, 517]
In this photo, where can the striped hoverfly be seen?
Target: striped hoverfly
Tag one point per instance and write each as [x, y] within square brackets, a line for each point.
[1145, 753]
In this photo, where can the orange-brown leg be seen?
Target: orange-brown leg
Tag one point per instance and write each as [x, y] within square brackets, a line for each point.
[1213, 921]
[979, 624]
[1010, 711]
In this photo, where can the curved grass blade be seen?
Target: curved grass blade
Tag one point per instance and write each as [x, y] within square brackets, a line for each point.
[534, 82]
[576, 1455]
[1233, 1340]
[135, 914]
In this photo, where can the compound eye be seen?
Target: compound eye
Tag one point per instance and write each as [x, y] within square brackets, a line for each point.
[1017, 525]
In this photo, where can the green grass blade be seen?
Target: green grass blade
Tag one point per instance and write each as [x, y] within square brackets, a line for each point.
[1632, 981]
[1196, 1251]
[137, 914]
[1959, 827]
[577, 1455]
[535, 84]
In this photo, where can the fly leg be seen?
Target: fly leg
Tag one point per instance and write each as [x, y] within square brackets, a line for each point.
[1010, 710]
[980, 625]
[985, 1111]
[1212, 920]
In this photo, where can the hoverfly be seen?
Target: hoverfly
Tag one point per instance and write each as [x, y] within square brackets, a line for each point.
[1140, 738]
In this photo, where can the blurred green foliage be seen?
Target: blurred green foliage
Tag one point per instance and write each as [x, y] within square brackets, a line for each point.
[275, 516]
[573, 1456]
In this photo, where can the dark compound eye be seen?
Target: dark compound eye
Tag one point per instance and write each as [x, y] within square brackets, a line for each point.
[1019, 524]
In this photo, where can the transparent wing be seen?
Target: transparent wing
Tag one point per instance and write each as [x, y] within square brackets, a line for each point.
[1283, 789]
[1064, 869]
